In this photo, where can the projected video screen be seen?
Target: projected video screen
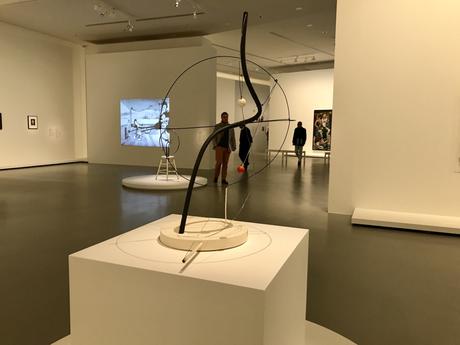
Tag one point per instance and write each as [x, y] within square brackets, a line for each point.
[142, 120]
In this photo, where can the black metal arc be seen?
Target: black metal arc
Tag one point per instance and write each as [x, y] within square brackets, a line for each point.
[220, 130]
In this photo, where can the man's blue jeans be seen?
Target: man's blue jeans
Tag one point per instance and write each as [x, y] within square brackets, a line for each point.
[298, 152]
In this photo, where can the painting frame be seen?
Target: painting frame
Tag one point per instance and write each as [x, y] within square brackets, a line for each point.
[32, 122]
[322, 130]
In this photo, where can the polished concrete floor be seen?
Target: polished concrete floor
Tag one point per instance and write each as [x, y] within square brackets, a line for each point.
[375, 286]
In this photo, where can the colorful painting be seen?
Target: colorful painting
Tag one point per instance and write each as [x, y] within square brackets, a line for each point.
[322, 125]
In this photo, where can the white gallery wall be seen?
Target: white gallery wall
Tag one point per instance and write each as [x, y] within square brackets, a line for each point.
[396, 107]
[79, 104]
[225, 98]
[40, 76]
[306, 92]
[148, 74]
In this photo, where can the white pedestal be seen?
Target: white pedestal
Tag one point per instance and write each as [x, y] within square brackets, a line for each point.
[132, 290]
[314, 335]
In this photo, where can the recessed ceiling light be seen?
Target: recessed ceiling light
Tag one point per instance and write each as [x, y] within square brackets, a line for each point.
[323, 32]
[299, 8]
[309, 25]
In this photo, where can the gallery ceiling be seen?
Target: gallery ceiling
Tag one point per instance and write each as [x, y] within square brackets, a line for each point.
[282, 35]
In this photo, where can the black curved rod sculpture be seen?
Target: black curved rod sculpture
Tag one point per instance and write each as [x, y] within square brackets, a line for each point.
[233, 125]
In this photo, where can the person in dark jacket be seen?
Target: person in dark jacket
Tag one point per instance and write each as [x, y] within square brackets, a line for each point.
[224, 143]
[245, 145]
[299, 139]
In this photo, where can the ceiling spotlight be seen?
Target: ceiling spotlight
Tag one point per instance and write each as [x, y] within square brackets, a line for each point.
[195, 14]
[309, 25]
[299, 8]
[177, 3]
[130, 26]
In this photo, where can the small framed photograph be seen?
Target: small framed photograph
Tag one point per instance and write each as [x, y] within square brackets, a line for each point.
[32, 122]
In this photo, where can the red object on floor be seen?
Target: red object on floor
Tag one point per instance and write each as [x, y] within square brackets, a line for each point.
[241, 169]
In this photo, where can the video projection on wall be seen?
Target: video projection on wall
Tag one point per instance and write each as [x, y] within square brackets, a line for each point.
[142, 120]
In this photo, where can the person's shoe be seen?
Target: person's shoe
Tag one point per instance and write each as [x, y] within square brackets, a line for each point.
[224, 182]
[215, 179]
[298, 163]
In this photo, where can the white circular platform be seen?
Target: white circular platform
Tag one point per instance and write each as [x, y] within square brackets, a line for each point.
[205, 235]
[173, 182]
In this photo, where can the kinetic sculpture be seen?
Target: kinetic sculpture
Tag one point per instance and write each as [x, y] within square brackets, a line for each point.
[254, 118]
[212, 234]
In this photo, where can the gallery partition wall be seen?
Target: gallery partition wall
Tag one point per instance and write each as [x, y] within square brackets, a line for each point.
[147, 74]
[396, 108]
[307, 92]
[42, 99]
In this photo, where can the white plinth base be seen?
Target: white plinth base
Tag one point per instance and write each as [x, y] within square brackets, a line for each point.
[314, 335]
[404, 220]
[152, 182]
[134, 290]
[204, 235]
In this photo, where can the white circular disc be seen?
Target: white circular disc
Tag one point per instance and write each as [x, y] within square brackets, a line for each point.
[212, 234]
[152, 182]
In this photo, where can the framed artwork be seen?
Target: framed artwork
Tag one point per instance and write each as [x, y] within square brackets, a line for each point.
[322, 129]
[32, 122]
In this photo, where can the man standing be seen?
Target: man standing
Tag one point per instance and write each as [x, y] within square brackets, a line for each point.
[299, 139]
[245, 145]
[224, 144]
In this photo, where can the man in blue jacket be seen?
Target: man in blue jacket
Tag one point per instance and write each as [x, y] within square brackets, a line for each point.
[299, 139]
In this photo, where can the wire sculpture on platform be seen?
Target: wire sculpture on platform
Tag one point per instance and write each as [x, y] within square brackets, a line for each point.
[253, 118]
[169, 141]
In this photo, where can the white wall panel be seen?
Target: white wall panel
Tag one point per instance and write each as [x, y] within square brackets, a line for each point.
[306, 92]
[396, 107]
[37, 76]
[148, 74]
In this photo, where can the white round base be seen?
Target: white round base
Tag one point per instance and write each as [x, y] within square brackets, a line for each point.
[172, 182]
[205, 235]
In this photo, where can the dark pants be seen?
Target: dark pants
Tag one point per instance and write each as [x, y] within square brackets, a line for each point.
[244, 156]
[222, 156]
